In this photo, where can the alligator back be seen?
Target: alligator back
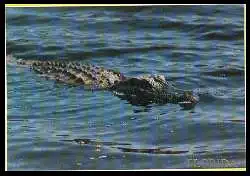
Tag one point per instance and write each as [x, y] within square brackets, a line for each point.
[75, 73]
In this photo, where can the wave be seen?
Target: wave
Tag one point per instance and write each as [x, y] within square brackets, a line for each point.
[224, 36]
[126, 149]
[152, 150]
[229, 72]
[24, 20]
[25, 52]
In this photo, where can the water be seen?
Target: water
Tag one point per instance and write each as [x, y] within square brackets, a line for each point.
[57, 126]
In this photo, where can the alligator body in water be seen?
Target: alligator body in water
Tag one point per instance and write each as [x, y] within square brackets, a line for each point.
[141, 90]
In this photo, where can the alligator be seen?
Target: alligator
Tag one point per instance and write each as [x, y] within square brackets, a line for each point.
[140, 90]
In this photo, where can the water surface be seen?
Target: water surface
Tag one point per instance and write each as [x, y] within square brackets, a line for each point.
[58, 126]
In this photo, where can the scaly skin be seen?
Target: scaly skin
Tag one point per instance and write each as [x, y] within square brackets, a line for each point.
[74, 73]
[142, 90]
[148, 89]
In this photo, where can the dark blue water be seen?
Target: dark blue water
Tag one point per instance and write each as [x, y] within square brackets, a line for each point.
[57, 126]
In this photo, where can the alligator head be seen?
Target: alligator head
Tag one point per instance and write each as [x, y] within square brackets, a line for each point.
[147, 89]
